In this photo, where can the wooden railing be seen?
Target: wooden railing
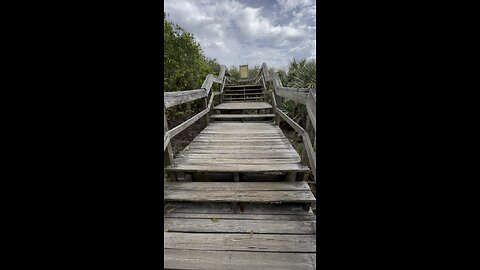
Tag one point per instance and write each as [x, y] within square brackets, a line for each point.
[307, 97]
[176, 98]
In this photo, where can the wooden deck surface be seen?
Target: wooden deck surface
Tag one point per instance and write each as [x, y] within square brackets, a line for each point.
[239, 147]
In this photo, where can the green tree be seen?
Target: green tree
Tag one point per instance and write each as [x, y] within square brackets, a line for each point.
[185, 66]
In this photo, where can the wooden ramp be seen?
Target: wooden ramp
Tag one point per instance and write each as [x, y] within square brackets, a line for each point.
[245, 225]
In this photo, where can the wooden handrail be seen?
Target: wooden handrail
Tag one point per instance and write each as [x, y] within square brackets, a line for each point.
[176, 98]
[303, 96]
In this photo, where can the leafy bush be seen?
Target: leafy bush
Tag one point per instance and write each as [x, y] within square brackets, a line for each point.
[185, 66]
[301, 74]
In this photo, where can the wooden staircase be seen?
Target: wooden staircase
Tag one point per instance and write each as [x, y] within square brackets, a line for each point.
[238, 199]
[239, 225]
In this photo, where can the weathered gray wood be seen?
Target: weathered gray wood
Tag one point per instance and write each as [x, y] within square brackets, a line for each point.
[221, 161]
[305, 217]
[253, 152]
[240, 242]
[296, 94]
[175, 98]
[311, 154]
[231, 186]
[244, 94]
[312, 107]
[167, 147]
[193, 225]
[255, 155]
[244, 98]
[207, 83]
[228, 141]
[244, 208]
[216, 80]
[237, 167]
[237, 260]
[292, 123]
[294, 196]
[243, 106]
[174, 131]
[235, 116]
[243, 86]
[207, 120]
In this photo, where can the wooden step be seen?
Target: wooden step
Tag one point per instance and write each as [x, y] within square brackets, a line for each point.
[241, 116]
[262, 226]
[240, 242]
[242, 90]
[243, 86]
[237, 260]
[221, 167]
[243, 106]
[243, 94]
[243, 98]
[258, 192]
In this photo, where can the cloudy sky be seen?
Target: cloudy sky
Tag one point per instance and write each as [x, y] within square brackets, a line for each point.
[238, 32]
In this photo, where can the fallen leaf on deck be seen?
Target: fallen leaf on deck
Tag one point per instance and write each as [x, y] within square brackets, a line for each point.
[215, 219]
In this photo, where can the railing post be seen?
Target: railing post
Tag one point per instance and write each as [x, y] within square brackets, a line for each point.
[311, 134]
[207, 115]
[168, 154]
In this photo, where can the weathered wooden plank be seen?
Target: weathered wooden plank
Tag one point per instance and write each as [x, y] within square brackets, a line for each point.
[256, 155]
[175, 98]
[234, 147]
[243, 98]
[296, 196]
[247, 90]
[243, 86]
[212, 161]
[207, 83]
[244, 124]
[243, 106]
[311, 154]
[234, 116]
[312, 107]
[216, 79]
[167, 148]
[240, 242]
[244, 208]
[219, 141]
[174, 131]
[243, 94]
[240, 137]
[238, 226]
[292, 123]
[239, 151]
[245, 186]
[237, 260]
[297, 94]
[305, 217]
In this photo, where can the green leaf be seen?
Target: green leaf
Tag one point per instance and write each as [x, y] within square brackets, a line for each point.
[214, 219]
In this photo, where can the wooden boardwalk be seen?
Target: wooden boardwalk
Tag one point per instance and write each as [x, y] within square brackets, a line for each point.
[237, 198]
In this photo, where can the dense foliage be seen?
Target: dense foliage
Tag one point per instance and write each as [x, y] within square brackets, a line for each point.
[185, 66]
[301, 74]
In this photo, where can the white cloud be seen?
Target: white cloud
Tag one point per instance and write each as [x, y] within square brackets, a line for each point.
[235, 33]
